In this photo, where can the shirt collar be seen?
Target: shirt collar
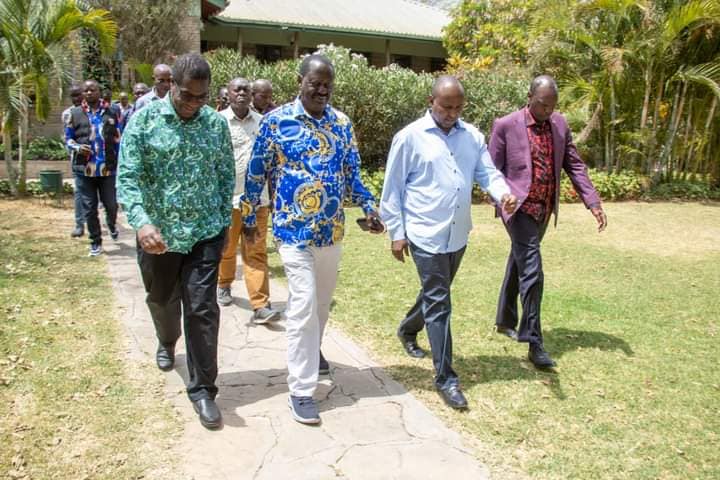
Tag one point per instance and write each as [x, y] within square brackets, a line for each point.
[428, 123]
[299, 111]
[168, 109]
[530, 120]
[229, 113]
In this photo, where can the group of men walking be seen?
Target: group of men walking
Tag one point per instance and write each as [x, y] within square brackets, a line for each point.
[199, 184]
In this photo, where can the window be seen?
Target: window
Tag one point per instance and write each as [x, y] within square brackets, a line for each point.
[437, 64]
[268, 53]
[404, 61]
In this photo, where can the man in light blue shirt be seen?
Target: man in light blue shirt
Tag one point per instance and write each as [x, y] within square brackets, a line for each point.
[426, 206]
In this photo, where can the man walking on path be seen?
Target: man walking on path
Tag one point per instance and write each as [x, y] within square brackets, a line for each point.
[310, 153]
[531, 146]
[426, 199]
[162, 75]
[176, 181]
[244, 123]
[77, 97]
[92, 134]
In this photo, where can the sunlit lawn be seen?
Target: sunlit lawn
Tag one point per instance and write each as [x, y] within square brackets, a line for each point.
[632, 315]
[72, 405]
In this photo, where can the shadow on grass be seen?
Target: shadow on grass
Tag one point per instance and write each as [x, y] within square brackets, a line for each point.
[479, 369]
[562, 340]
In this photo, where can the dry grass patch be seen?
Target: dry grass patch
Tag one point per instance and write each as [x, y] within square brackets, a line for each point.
[72, 404]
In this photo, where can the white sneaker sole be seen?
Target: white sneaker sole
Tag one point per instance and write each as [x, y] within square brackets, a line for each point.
[306, 421]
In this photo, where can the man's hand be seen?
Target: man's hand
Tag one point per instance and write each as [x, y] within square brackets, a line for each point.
[376, 225]
[250, 234]
[398, 248]
[508, 202]
[151, 240]
[85, 149]
[600, 216]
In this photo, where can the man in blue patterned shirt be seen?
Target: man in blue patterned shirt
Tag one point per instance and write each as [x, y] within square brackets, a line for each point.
[308, 151]
[92, 134]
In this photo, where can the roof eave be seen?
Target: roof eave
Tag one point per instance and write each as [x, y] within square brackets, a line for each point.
[237, 22]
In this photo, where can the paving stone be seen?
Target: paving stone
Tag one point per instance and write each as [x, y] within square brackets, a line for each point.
[372, 428]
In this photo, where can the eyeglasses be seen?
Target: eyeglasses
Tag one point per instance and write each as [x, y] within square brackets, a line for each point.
[188, 97]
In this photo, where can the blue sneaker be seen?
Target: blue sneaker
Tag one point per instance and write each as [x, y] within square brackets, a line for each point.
[95, 249]
[304, 409]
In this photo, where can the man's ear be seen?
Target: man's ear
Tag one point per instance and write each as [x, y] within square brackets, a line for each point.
[430, 99]
[299, 77]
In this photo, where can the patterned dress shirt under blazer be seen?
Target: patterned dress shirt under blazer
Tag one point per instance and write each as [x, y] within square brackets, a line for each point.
[313, 165]
[177, 175]
[510, 150]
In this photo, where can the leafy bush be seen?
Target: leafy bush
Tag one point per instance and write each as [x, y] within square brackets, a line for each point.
[685, 190]
[625, 185]
[47, 148]
[34, 188]
[380, 101]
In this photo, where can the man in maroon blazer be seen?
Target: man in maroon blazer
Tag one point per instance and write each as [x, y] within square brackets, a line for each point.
[529, 147]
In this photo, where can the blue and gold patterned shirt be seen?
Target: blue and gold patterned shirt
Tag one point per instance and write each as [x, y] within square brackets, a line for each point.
[313, 165]
[177, 175]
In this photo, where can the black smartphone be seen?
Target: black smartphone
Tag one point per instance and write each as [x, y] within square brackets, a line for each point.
[375, 225]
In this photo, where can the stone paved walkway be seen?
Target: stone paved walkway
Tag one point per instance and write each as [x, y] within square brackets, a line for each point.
[371, 427]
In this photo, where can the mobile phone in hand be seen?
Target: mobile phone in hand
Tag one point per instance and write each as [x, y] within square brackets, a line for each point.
[374, 225]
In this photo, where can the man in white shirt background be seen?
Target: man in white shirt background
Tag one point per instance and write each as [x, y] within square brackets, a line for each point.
[244, 123]
[426, 206]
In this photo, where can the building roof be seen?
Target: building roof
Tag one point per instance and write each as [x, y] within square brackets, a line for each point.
[387, 18]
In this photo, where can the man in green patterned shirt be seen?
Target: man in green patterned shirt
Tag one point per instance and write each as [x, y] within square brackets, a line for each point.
[175, 182]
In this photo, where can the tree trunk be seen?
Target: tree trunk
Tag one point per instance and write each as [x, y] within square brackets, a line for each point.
[652, 165]
[591, 125]
[684, 160]
[646, 97]
[22, 141]
[677, 108]
[611, 129]
[12, 173]
[706, 135]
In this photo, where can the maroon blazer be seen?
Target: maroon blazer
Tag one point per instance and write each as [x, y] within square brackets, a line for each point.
[510, 150]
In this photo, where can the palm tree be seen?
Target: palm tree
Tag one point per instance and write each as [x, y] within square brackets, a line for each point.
[34, 41]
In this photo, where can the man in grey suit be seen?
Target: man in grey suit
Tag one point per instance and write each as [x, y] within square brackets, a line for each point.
[530, 147]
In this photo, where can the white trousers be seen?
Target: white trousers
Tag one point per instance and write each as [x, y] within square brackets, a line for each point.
[312, 275]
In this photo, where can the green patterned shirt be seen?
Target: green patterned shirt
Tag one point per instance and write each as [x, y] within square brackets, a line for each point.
[177, 175]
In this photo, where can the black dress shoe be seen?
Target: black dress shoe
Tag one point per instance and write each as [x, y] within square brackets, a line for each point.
[453, 397]
[165, 357]
[507, 331]
[209, 413]
[539, 357]
[411, 347]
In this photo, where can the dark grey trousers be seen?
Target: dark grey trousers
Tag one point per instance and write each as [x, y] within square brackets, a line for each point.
[524, 278]
[433, 309]
[185, 285]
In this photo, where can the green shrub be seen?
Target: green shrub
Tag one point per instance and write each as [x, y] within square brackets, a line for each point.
[47, 148]
[625, 185]
[380, 101]
[34, 188]
[684, 190]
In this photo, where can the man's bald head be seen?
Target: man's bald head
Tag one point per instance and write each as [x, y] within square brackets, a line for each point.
[162, 74]
[542, 97]
[447, 100]
[545, 82]
[447, 84]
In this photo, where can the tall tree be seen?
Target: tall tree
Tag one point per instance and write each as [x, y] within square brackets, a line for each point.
[34, 41]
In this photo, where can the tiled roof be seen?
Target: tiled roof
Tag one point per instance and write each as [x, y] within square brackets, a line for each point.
[400, 18]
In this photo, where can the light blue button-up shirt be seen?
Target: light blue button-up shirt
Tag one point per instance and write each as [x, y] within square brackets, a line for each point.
[428, 184]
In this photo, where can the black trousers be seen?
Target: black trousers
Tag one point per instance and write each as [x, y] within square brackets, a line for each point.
[523, 277]
[90, 188]
[185, 285]
[433, 308]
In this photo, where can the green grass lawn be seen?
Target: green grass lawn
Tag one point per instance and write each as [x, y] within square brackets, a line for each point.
[632, 316]
[72, 406]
